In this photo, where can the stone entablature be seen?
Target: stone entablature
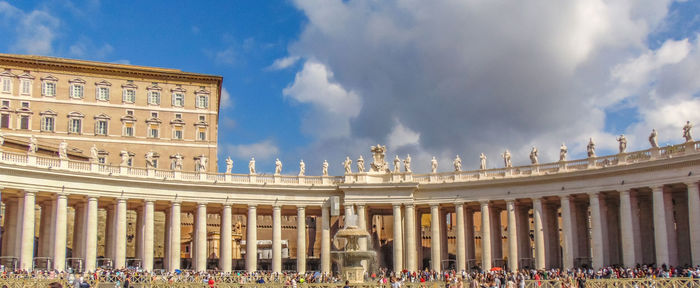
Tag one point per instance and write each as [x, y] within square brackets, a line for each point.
[534, 171]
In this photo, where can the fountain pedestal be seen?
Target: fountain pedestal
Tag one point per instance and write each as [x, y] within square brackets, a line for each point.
[350, 259]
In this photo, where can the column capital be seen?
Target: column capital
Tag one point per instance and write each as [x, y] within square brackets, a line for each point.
[692, 183]
[175, 203]
[484, 202]
[200, 204]
[395, 205]
[276, 206]
[62, 195]
[301, 207]
[30, 192]
[437, 205]
[252, 206]
[121, 199]
[510, 200]
[410, 205]
[625, 192]
[358, 206]
[91, 198]
[459, 204]
[593, 194]
[565, 197]
[147, 201]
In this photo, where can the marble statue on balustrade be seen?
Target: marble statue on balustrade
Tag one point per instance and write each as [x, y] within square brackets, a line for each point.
[302, 168]
[378, 159]
[347, 164]
[562, 152]
[229, 165]
[93, 153]
[590, 148]
[63, 150]
[653, 139]
[33, 147]
[623, 143]
[433, 165]
[324, 168]
[203, 161]
[482, 161]
[506, 159]
[397, 164]
[176, 162]
[251, 166]
[533, 156]
[278, 166]
[360, 165]
[149, 160]
[407, 164]
[125, 158]
[457, 163]
[686, 132]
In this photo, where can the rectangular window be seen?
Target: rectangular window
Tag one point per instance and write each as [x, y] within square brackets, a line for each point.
[101, 127]
[47, 124]
[153, 133]
[202, 135]
[6, 85]
[26, 86]
[102, 159]
[103, 93]
[6, 103]
[25, 104]
[154, 114]
[177, 134]
[24, 122]
[5, 121]
[130, 112]
[76, 91]
[178, 99]
[202, 101]
[129, 96]
[201, 118]
[128, 129]
[154, 98]
[178, 115]
[130, 162]
[75, 126]
[49, 89]
[155, 163]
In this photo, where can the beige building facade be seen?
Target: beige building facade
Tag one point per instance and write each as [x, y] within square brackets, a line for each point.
[112, 106]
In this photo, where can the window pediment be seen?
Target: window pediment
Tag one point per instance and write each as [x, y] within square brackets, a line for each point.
[103, 116]
[5, 109]
[154, 87]
[103, 83]
[77, 81]
[130, 86]
[49, 78]
[202, 91]
[178, 89]
[7, 73]
[153, 120]
[48, 113]
[24, 110]
[26, 75]
[76, 114]
[177, 122]
[128, 118]
[201, 123]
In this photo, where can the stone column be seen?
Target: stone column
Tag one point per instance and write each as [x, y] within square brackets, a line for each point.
[174, 236]
[79, 231]
[598, 254]
[301, 239]
[60, 219]
[461, 245]
[567, 232]
[138, 234]
[539, 234]
[10, 229]
[660, 229]
[45, 229]
[26, 255]
[201, 232]
[225, 255]
[410, 227]
[435, 237]
[277, 239]
[485, 236]
[120, 234]
[325, 239]
[148, 236]
[471, 247]
[251, 256]
[109, 232]
[362, 224]
[694, 215]
[91, 235]
[627, 229]
[398, 239]
[512, 236]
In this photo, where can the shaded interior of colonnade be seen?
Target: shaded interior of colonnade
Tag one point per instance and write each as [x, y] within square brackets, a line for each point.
[584, 209]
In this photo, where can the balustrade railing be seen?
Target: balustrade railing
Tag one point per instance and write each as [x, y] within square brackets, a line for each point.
[45, 161]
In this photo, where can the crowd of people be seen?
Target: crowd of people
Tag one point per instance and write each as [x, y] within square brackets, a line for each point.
[384, 278]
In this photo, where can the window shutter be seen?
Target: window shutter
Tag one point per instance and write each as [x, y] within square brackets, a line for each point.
[43, 89]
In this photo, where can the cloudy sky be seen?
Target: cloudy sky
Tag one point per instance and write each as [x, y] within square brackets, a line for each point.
[322, 79]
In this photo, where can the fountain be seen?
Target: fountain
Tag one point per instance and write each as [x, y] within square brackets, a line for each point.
[350, 259]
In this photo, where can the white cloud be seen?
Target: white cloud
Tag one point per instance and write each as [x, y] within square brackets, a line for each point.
[226, 100]
[226, 56]
[401, 136]
[333, 106]
[34, 32]
[465, 77]
[283, 63]
[84, 48]
[263, 150]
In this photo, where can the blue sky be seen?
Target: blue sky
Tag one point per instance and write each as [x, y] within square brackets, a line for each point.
[317, 80]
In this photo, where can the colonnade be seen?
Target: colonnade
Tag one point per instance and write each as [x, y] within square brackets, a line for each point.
[636, 225]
